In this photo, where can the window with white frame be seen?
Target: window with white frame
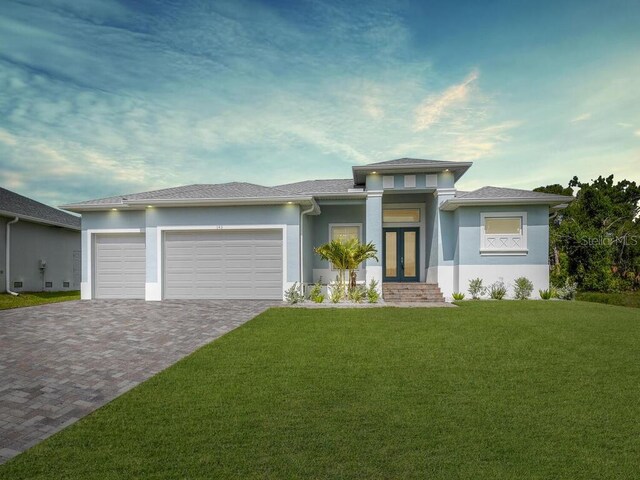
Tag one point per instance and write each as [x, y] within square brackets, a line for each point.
[344, 232]
[503, 232]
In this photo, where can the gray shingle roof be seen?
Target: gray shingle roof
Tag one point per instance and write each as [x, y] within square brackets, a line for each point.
[196, 192]
[499, 193]
[409, 161]
[12, 203]
[319, 187]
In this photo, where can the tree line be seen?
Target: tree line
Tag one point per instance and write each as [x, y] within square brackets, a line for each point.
[595, 241]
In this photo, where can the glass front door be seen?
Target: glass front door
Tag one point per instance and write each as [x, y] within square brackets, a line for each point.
[400, 257]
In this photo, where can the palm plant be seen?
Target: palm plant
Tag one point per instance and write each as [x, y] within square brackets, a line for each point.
[335, 252]
[346, 256]
[358, 253]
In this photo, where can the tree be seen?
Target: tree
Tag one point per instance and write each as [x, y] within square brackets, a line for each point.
[358, 253]
[595, 240]
[346, 256]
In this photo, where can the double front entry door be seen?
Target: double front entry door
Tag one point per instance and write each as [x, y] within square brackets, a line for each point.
[400, 258]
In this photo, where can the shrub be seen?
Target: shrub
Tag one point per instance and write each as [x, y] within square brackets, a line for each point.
[568, 292]
[476, 289]
[546, 294]
[315, 295]
[337, 293]
[497, 290]
[458, 296]
[372, 291]
[358, 294]
[294, 294]
[523, 288]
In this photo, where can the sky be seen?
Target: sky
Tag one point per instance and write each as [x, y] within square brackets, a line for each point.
[105, 97]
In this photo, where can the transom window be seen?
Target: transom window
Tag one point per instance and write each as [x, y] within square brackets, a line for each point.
[503, 233]
[401, 215]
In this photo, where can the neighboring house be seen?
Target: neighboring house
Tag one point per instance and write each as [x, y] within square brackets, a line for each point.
[240, 240]
[40, 246]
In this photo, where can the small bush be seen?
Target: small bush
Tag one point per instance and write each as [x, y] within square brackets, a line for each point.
[358, 294]
[372, 291]
[546, 294]
[476, 289]
[315, 295]
[294, 294]
[458, 296]
[497, 290]
[568, 292]
[336, 293]
[523, 288]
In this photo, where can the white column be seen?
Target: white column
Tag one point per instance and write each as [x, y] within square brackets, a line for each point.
[446, 267]
[373, 234]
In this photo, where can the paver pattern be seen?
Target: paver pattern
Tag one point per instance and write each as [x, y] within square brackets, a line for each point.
[59, 362]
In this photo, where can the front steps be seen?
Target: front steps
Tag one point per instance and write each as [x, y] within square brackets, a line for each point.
[411, 292]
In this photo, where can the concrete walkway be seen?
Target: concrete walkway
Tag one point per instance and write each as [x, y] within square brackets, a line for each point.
[59, 362]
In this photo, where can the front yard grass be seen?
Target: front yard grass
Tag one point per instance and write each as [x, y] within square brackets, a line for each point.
[30, 299]
[489, 390]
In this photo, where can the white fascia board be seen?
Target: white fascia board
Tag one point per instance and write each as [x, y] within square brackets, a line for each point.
[452, 204]
[140, 204]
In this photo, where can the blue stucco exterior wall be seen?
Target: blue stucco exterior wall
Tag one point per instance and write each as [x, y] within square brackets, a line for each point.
[150, 219]
[468, 223]
[346, 212]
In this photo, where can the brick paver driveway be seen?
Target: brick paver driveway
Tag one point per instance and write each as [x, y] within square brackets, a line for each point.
[61, 361]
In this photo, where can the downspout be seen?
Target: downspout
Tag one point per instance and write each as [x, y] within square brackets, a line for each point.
[8, 257]
[302, 214]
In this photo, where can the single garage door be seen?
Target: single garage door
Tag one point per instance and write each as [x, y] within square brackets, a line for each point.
[223, 264]
[119, 266]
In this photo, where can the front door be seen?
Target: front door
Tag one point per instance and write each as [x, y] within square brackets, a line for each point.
[400, 259]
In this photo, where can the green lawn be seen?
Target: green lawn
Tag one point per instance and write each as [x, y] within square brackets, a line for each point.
[490, 390]
[35, 298]
[625, 299]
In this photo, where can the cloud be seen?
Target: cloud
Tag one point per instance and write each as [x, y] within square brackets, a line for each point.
[434, 107]
[637, 133]
[581, 118]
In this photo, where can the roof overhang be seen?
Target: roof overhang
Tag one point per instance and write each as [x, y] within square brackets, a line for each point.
[38, 220]
[555, 202]
[360, 172]
[141, 204]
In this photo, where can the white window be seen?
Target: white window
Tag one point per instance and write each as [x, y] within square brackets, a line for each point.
[388, 181]
[344, 232]
[409, 181]
[401, 215]
[503, 233]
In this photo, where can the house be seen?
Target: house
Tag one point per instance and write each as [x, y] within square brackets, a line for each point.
[240, 240]
[40, 246]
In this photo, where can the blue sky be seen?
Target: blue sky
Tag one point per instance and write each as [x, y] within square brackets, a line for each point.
[101, 97]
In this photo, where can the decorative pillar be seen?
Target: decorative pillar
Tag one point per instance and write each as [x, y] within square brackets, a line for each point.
[373, 233]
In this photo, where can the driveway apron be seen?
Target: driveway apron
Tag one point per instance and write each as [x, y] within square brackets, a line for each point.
[59, 362]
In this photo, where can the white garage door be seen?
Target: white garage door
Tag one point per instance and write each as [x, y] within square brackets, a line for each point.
[223, 264]
[120, 266]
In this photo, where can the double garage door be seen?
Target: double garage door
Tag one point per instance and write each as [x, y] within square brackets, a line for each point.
[219, 264]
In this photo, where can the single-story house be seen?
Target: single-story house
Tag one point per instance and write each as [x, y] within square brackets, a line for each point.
[241, 240]
[40, 246]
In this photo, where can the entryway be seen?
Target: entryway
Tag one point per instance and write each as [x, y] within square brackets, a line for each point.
[400, 254]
